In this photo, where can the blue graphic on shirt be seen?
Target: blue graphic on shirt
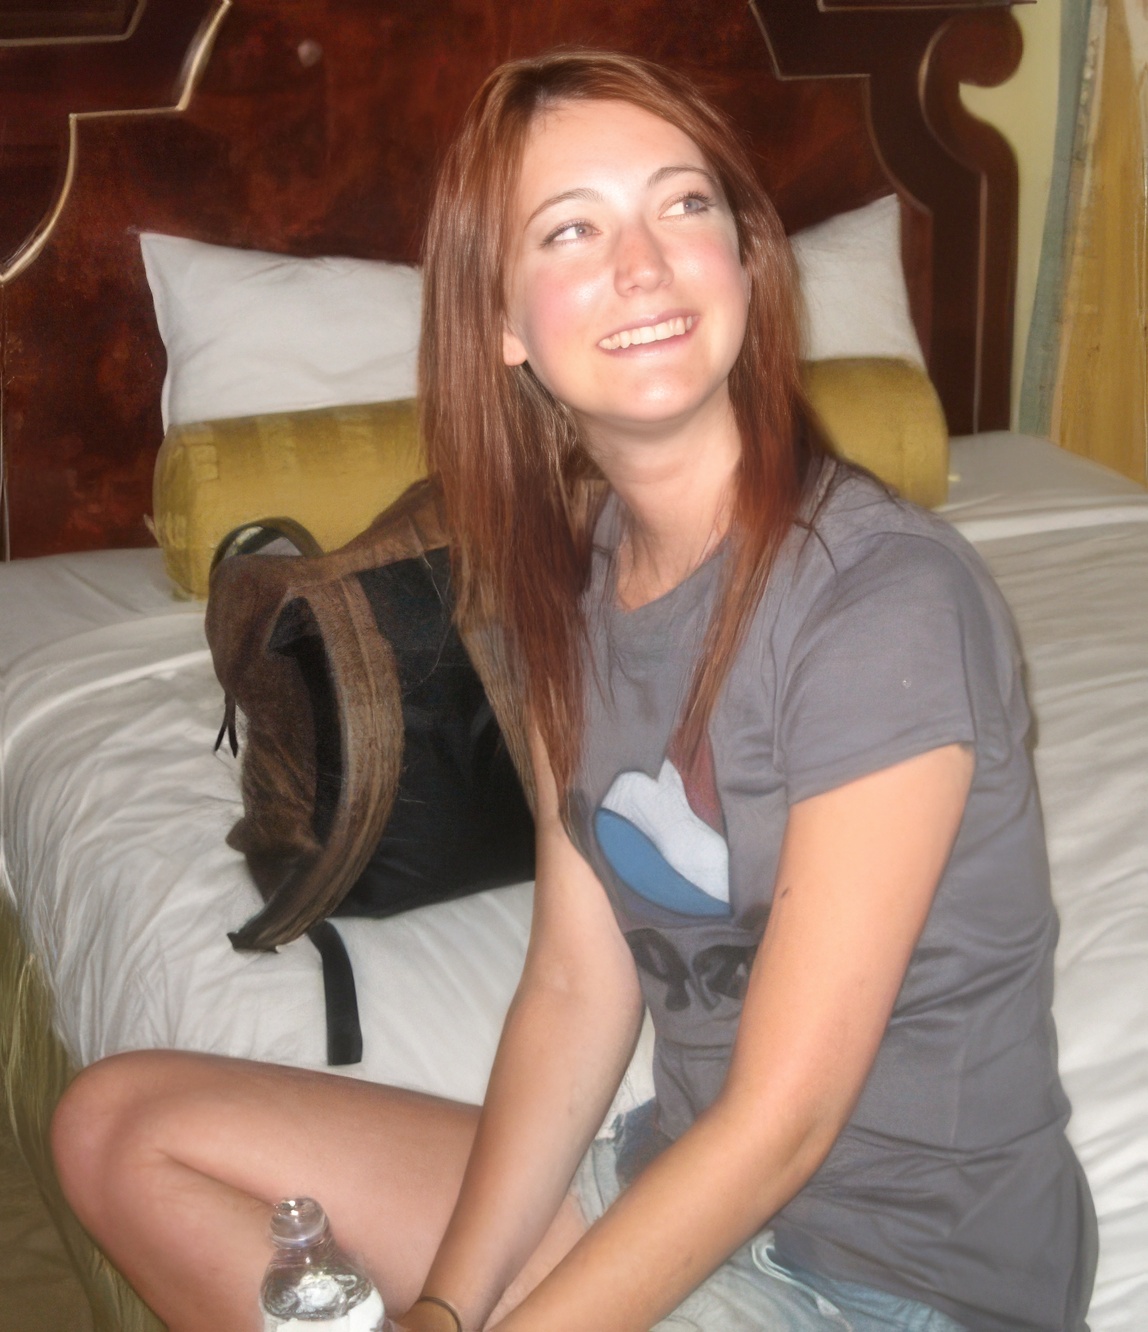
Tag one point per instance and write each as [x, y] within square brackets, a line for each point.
[659, 838]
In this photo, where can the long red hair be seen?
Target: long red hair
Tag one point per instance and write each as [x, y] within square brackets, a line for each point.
[512, 467]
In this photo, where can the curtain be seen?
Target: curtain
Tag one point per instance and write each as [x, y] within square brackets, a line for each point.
[1086, 367]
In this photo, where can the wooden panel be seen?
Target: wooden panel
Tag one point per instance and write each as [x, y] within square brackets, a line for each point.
[316, 129]
[956, 175]
[43, 86]
[25, 20]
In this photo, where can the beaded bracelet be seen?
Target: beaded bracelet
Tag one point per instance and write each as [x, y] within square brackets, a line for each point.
[443, 1304]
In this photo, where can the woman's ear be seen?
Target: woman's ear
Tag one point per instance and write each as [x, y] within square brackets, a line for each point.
[513, 350]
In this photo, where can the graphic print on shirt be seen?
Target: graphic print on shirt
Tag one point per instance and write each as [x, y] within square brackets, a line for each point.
[664, 836]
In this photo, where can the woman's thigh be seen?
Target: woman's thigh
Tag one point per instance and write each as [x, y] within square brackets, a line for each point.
[753, 1289]
[166, 1156]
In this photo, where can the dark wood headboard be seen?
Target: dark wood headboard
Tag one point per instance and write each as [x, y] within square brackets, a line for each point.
[313, 127]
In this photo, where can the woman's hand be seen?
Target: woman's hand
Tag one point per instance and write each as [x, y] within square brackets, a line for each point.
[858, 871]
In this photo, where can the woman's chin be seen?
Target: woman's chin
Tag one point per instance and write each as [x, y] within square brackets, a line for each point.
[657, 416]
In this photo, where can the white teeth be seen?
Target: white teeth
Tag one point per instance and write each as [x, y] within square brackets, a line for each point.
[631, 337]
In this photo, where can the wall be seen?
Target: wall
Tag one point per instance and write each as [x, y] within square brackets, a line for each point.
[1024, 110]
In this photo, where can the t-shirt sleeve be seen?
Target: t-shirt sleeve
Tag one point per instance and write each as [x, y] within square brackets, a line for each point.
[880, 669]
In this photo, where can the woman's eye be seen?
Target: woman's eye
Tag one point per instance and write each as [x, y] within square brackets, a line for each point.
[568, 231]
[694, 202]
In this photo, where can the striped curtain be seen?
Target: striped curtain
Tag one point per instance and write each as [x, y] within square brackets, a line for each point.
[1086, 366]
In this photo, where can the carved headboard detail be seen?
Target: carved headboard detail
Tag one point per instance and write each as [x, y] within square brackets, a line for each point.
[315, 126]
[146, 66]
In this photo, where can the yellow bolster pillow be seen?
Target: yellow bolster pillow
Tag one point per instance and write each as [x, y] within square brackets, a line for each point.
[885, 415]
[333, 470]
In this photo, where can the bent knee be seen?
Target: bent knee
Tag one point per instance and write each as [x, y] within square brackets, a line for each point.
[102, 1117]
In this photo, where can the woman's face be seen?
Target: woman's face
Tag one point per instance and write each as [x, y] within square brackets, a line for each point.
[625, 290]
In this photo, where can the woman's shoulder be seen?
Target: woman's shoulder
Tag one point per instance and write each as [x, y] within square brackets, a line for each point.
[855, 527]
[849, 506]
[890, 637]
[866, 557]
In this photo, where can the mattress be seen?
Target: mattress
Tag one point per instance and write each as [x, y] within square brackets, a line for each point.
[114, 812]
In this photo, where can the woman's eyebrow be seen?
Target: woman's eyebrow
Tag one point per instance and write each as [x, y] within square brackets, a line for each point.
[593, 196]
[664, 173]
[564, 197]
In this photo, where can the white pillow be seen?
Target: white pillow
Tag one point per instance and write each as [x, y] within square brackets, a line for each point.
[856, 301]
[248, 332]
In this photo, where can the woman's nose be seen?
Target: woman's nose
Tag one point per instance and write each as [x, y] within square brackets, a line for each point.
[640, 261]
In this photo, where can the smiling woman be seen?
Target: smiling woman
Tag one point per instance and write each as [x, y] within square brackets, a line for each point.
[784, 800]
[632, 313]
[627, 295]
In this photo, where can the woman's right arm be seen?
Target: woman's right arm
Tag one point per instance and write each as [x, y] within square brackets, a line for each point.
[568, 1036]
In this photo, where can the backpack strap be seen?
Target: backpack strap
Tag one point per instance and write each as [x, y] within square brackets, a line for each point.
[365, 684]
[344, 1033]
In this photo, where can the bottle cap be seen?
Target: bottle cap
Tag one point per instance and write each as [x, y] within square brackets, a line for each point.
[297, 1222]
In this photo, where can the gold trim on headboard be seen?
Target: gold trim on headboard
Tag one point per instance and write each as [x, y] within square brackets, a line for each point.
[132, 24]
[193, 65]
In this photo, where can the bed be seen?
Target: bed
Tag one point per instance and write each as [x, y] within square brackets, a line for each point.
[287, 129]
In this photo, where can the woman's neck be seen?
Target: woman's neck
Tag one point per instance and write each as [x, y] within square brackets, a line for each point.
[677, 492]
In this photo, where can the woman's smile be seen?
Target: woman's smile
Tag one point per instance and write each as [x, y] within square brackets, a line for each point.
[644, 333]
[625, 290]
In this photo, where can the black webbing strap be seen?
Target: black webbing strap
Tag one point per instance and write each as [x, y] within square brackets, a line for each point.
[344, 1034]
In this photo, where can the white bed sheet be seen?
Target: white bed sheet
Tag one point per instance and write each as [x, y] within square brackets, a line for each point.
[114, 813]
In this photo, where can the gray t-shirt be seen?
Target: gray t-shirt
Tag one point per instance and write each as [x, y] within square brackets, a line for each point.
[880, 636]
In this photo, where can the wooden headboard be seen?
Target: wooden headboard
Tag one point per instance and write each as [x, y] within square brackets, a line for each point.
[313, 127]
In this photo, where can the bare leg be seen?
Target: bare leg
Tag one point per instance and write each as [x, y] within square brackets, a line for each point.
[173, 1161]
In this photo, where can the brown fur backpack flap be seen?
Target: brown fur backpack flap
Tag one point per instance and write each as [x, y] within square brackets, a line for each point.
[383, 753]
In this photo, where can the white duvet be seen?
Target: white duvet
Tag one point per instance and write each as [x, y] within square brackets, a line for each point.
[115, 810]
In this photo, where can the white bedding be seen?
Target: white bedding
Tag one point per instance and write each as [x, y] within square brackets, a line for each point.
[114, 811]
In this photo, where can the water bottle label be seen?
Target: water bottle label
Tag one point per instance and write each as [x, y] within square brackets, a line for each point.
[364, 1317]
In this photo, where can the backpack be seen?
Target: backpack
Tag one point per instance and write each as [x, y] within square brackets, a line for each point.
[385, 760]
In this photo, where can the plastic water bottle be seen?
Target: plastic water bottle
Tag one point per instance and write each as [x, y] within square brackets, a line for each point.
[310, 1284]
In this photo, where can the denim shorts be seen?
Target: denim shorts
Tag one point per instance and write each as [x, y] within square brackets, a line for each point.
[753, 1289]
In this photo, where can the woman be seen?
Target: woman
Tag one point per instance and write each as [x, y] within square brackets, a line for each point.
[783, 799]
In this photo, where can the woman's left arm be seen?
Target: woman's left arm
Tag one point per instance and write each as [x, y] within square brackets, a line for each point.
[858, 870]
